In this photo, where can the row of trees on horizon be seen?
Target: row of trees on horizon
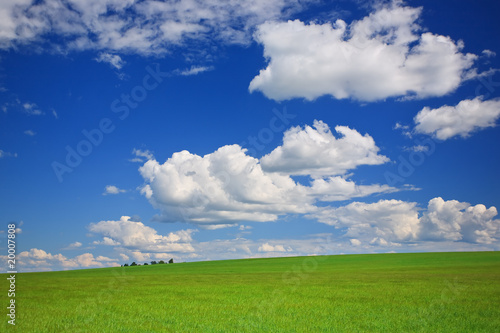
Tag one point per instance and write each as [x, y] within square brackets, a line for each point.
[154, 262]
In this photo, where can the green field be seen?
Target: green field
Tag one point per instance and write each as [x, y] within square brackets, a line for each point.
[422, 292]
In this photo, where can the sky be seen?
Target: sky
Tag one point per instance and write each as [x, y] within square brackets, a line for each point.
[207, 130]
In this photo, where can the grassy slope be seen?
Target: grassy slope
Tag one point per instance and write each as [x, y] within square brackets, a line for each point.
[425, 292]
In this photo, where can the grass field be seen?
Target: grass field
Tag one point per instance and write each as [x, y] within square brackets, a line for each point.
[424, 292]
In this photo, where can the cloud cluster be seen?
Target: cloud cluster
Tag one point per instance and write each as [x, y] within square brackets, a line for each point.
[230, 186]
[392, 222]
[40, 260]
[382, 55]
[462, 120]
[137, 237]
[144, 27]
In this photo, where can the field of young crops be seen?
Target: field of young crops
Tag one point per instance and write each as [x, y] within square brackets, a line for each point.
[422, 292]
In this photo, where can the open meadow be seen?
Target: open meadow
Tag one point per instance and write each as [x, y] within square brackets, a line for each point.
[418, 292]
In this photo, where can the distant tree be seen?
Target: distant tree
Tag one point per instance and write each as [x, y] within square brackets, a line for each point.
[133, 264]
[153, 262]
[145, 264]
[171, 261]
[161, 262]
[126, 265]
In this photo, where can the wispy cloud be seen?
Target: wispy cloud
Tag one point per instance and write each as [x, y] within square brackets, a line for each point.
[194, 70]
[141, 155]
[113, 60]
[143, 27]
[4, 154]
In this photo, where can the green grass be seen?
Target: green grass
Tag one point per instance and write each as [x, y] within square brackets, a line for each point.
[419, 292]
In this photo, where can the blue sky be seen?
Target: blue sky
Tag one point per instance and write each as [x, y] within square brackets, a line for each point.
[150, 130]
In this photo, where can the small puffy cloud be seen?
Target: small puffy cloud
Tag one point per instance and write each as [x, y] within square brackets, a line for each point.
[111, 189]
[465, 118]
[112, 59]
[139, 237]
[355, 242]
[74, 245]
[382, 55]
[107, 241]
[317, 152]
[29, 133]
[245, 227]
[489, 53]
[266, 247]
[417, 148]
[105, 259]
[31, 109]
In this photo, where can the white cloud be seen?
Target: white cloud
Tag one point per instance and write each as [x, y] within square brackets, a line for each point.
[144, 27]
[194, 70]
[37, 259]
[266, 247]
[139, 237]
[29, 133]
[338, 189]
[454, 220]
[113, 59]
[355, 242]
[489, 53]
[316, 152]
[383, 55]
[216, 226]
[4, 153]
[141, 155]
[111, 189]
[392, 222]
[228, 186]
[74, 245]
[466, 117]
[31, 109]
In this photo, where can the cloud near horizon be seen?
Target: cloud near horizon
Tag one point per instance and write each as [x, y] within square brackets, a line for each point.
[393, 222]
